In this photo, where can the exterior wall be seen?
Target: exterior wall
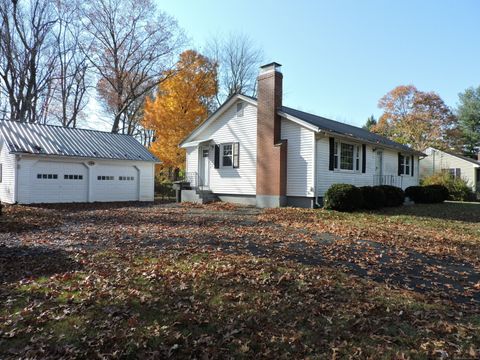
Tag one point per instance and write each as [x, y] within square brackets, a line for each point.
[7, 186]
[300, 145]
[326, 178]
[144, 183]
[230, 128]
[438, 160]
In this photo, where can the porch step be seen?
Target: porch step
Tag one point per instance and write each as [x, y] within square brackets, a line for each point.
[199, 197]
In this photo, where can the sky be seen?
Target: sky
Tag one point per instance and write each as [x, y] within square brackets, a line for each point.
[340, 57]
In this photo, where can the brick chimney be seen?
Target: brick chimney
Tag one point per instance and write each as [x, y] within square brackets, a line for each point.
[271, 150]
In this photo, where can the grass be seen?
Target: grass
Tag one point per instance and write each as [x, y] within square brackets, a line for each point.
[211, 297]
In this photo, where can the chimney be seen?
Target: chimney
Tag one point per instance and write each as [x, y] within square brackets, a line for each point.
[271, 150]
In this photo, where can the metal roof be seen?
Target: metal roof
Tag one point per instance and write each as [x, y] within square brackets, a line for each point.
[37, 139]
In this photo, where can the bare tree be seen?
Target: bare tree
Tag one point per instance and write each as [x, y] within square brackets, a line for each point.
[133, 45]
[238, 59]
[27, 58]
[71, 72]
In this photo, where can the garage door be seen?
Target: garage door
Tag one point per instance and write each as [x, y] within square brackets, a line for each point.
[56, 182]
[115, 183]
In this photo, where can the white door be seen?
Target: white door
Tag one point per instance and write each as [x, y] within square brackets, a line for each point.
[115, 183]
[204, 180]
[379, 167]
[58, 182]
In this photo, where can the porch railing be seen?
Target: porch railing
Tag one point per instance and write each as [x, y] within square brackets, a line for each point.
[196, 181]
[392, 180]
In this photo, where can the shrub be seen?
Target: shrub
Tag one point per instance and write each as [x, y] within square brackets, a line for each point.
[373, 197]
[343, 197]
[394, 196]
[427, 194]
[415, 193]
[164, 188]
[458, 188]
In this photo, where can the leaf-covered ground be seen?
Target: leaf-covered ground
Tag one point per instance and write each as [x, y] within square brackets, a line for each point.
[219, 281]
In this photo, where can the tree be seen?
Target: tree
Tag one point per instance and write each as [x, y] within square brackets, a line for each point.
[133, 46]
[468, 113]
[371, 122]
[418, 119]
[238, 60]
[27, 58]
[179, 106]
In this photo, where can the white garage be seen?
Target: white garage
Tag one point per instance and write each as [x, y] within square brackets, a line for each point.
[52, 164]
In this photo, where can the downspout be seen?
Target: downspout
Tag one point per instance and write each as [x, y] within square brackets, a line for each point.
[15, 191]
[315, 192]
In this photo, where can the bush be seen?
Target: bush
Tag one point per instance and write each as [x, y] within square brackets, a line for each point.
[394, 196]
[164, 188]
[373, 197]
[343, 197]
[427, 194]
[458, 188]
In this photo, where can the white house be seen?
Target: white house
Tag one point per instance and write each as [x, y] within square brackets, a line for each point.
[457, 165]
[259, 152]
[52, 164]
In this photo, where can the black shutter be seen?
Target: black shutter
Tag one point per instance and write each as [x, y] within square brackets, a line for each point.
[413, 164]
[364, 158]
[399, 164]
[236, 155]
[332, 154]
[217, 156]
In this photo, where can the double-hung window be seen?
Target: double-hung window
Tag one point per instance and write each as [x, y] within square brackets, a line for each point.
[405, 165]
[230, 155]
[346, 156]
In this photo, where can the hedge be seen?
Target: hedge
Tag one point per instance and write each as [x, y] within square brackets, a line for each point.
[373, 197]
[343, 197]
[394, 196]
[427, 194]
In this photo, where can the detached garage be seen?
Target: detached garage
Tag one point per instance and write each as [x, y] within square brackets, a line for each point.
[53, 164]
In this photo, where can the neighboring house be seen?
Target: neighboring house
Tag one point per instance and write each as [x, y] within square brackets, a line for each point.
[259, 152]
[53, 164]
[457, 165]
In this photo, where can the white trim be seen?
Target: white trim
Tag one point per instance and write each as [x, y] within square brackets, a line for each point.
[298, 121]
[222, 109]
[194, 143]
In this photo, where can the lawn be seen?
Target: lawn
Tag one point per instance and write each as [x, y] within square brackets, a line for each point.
[219, 281]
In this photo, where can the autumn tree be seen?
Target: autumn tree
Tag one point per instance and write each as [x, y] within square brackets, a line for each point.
[180, 104]
[133, 46]
[416, 118]
[469, 120]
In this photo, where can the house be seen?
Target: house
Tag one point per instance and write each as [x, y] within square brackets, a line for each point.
[457, 165]
[259, 152]
[53, 164]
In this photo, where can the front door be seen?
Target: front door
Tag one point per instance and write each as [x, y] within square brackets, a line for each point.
[379, 167]
[204, 173]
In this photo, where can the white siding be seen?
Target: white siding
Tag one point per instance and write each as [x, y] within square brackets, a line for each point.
[438, 160]
[300, 147]
[7, 186]
[142, 188]
[230, 128]
[326, 178]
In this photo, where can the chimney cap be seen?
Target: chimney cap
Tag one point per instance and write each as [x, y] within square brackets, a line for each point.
[271, 66]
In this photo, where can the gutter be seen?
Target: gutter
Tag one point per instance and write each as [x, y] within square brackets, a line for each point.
[315, 187]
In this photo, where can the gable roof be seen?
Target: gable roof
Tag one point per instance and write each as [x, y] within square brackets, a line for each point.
[38, 139]
[466, 158]
[311, 121]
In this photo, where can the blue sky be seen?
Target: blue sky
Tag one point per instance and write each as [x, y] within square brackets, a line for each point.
[340, 57]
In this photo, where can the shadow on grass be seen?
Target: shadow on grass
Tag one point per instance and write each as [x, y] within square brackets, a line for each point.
[26, 262]
[457, 211]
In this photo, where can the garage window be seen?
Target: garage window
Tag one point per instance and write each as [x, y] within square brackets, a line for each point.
[73, 177]
[105, 178]
[126, 178]
[47, 176]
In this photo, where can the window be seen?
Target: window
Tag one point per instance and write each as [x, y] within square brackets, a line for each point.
[227, 155]
[239, 109]
[405, 167]
[73, 177]
[126, 178]
[47, 176]
[346, 156]
[455, 173]
[105, 178]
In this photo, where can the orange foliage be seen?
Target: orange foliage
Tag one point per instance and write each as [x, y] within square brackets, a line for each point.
[180, 105]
